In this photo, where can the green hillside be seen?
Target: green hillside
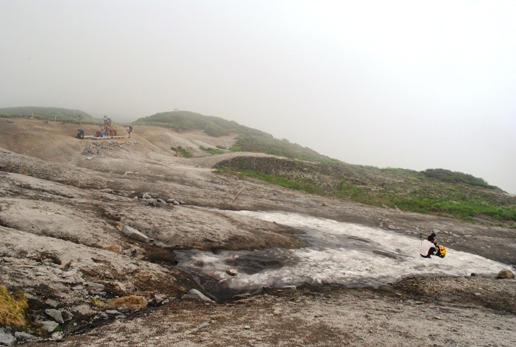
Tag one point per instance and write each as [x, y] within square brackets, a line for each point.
[61, 114]
[249, 140]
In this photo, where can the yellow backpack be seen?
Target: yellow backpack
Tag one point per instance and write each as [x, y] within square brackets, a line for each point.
[441, 251]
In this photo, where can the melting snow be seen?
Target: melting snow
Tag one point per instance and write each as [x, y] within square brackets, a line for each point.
[340, 253]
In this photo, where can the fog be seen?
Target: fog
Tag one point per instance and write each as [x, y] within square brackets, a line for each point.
[410, 84]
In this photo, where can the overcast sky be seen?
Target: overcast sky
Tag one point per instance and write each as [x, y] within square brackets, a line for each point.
[410, 84]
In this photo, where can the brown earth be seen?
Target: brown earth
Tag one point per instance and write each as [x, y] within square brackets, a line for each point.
[61, 199]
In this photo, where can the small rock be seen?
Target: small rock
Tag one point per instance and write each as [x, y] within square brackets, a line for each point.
[176, 202]
[134, 234]
[23, 336]
[67, 315]
[231, 272]
[504, 274]
[55, 315]
[166, 301]
[196, 295]
[49, 325]
[113, 313]
[103, 315]
[477, 294]
[51, 303]
[58, 335]
[203, 325]
[6, 338]
[247, 327]
[158, 299]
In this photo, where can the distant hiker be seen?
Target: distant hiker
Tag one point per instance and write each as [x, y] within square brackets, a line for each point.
[80, 134]
[129, 130]
[79, 118]
[105, 119]
[429, 246]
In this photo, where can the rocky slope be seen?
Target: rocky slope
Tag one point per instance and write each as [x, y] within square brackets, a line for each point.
[69, 209]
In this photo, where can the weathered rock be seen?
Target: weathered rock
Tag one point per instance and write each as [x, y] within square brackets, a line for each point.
[49, 325]
[92, 286]
[6, 339]
[23, 336]
[203, 325]
[196, 295]
[67, 315]
[158, 299]
[55, 315]
[134, 234]
[504, 274]
[103, 315]
[113, 313]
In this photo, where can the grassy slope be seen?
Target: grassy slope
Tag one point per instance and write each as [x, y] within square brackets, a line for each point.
[435, 191]
[51, 113]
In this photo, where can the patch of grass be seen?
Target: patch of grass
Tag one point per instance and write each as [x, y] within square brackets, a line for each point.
[210, 150]
[183, 152]
[97, 302]
[13, 308]
[221, 147]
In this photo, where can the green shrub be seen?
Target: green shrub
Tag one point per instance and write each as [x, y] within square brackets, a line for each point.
[182, 152]
[211, 150]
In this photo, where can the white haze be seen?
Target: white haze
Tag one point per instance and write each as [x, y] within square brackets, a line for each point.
[339, 253]
[411, 84]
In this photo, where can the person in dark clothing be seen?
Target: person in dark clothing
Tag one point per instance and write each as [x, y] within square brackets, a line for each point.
[80, 134]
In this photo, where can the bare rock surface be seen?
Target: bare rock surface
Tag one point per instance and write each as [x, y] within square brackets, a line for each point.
[64, 203]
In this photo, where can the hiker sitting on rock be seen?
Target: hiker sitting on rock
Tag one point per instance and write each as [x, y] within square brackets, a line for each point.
[429, 246]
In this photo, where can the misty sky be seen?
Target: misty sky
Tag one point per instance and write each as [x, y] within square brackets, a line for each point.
[410, 84]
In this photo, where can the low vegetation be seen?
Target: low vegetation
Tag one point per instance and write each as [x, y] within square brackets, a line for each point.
[407, 190]
[211, 150]
[13, 308]
[182, 152]
[50, 114]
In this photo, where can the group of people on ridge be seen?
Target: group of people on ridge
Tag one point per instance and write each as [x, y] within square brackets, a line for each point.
[108, 129]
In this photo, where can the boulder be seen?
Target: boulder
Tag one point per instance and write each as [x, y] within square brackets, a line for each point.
[134, 234]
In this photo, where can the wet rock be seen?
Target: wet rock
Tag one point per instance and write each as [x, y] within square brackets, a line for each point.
[6, 338]
[49, 325]
[134, 234]
[194, 294]
[505, 274]
[55, 315]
